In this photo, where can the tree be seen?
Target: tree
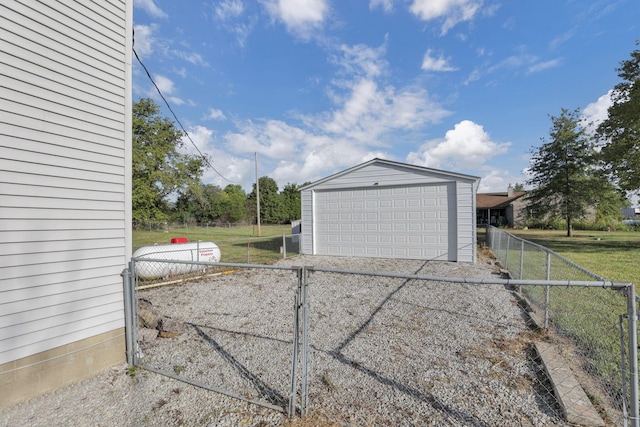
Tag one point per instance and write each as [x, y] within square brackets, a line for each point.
[562, 170]
[159, 169]
[620, 132]
[233, 204]
[200, 202]
[290, 199]
[270, 206]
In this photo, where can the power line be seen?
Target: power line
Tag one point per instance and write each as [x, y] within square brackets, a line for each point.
[178, 120]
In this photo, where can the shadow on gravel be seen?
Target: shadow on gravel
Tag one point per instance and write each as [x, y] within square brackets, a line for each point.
[416, 394]
[272, 395]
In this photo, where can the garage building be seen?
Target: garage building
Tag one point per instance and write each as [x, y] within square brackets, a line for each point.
[387, 209]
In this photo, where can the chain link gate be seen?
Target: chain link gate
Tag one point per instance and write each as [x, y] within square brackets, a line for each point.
[227, 362]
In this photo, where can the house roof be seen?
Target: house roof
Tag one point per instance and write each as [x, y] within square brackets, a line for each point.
[451, 175]
[496, 200]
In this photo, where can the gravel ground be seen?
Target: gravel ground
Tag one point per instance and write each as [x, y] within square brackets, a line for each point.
[383, 351]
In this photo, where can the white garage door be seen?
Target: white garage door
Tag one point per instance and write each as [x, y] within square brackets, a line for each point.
[389, 222]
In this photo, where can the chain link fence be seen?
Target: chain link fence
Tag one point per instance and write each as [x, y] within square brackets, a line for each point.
[594, 320]
[386, 342]
[246, 250]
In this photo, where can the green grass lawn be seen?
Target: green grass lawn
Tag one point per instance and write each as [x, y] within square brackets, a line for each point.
[612, 255]
[239, 244]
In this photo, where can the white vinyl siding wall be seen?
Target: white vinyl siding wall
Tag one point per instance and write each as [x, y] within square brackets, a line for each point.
[65, 175]
[360, 212]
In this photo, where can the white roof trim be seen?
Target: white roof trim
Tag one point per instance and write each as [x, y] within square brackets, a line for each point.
[454, 175]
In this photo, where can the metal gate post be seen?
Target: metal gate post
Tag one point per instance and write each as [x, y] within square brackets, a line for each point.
[291, 410]
[305, 343]
[128, 315]
[633, 355]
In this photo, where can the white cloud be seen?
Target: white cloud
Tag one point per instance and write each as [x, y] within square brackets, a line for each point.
[596, 112]
[300, 17]
[520, 63]
[432, 63]
[227, 168]
[144, 39]
[467, 146]
[361, 60]
[451, 11]
[228, 9]
[165, 85]
[229, 13]
[150, 7]
[192, 57]
[386, 5]
[273, 138]
[368, 116]
[541, 66]
[216, 114]
[498, 180]
[242, 31]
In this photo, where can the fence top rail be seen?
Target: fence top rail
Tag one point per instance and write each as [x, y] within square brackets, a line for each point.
[549, 251]
[254, 239]
[447, 279]
[217, 264]
[466, 280]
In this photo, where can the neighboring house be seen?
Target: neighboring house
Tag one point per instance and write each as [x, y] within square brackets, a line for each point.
[65, 190]
[501, 209]
[631, 216]
[389, 209]
[630, 213]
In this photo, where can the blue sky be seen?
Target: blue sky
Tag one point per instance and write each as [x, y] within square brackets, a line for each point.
[317, 86]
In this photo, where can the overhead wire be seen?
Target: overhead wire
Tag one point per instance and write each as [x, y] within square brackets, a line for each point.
[205, 158]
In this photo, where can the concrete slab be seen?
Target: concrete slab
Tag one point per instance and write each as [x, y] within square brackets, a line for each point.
[574, 402]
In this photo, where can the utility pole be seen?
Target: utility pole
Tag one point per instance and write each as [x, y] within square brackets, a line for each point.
[258, 196]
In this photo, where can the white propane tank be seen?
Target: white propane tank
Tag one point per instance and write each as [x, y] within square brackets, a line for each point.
[201, 251]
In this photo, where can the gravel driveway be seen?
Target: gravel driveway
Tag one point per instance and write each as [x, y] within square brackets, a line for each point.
[383, 351]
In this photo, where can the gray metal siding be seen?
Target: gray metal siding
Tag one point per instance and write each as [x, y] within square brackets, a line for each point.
[65, 186]
[467, 222]
[306, 244]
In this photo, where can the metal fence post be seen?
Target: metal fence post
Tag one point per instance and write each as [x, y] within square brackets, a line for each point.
[284, 246]
[623, 370]
[521, 259]
[506, 253]
[633, 355]
[546, 293]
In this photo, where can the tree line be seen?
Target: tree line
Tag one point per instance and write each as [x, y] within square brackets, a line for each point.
[167, 183]
[572, 173]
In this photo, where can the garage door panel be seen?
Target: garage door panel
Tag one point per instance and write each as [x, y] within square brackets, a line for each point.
[403, 222]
